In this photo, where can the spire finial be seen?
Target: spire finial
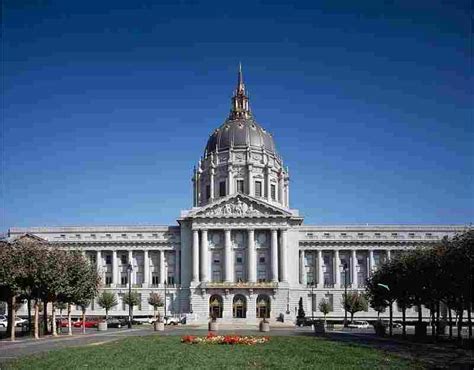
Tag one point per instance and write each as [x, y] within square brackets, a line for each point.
[240, 100]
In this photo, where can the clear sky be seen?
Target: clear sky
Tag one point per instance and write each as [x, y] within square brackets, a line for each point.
[107, 106]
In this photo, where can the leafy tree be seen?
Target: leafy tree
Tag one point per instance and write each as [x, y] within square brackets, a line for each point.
[132, 299]
[156, 301]
[354, 302]
[107, 300]
[301, 313]
[324, 307]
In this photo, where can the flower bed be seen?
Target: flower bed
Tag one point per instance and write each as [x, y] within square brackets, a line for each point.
[212, 338]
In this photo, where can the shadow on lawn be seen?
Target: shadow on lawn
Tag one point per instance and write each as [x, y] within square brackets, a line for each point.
[432, 355]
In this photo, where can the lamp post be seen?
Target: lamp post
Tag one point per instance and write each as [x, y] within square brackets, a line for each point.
[312, 300]
[345, 294]
[165, 299]
[129, 270]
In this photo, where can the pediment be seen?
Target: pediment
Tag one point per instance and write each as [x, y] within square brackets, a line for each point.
[29, 238]
[239, 206]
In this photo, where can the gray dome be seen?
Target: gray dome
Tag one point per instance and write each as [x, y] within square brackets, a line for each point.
[240, 133]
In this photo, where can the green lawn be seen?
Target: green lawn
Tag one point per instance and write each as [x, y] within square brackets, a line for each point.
[167, 352]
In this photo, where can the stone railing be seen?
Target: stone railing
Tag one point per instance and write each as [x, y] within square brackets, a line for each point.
[228, 285]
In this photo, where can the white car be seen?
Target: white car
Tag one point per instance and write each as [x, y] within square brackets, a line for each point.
[359, 325]
[18, 321]
[169, 320]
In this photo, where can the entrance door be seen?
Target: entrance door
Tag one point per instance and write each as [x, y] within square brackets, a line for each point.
[215, 306]
[239, 307]
[263, 306]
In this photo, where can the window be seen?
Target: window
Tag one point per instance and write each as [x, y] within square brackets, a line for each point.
[273, 191]
[108, 236]
[124, 235]
[108, 259]
[217, 259]
[124, 279]
[78, 236]
[240, 186]
[170, 279]
[108, 280]
[154, 235]
[411, 234]
[377, 234]
[262, 259]
[155, 278]
[394, 234]
[343, 234]
[62, 236]
[222, 189]
[360, 234]
[258, 188]
[239, 259]
[93, 236]
[140, 236]
[208, 191]
[123, 259]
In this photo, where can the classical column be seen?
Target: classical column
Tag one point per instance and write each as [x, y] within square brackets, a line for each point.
[280, 188]
[98, 262]
[284, 255]
[274, 248]
[228, 257]
[288, 193]
[320, 269]
[354, 269]
[389, 255]
[267, 181]
[130, 261]
[115, 281]
[177, 266]
[371, 260]
[211, 198]
[204, 257]
[162, 267]
[195, 256]
[251, 191]
[337, 262]
[146, 269]
[230, 180]
[251, 265]
[302, 269]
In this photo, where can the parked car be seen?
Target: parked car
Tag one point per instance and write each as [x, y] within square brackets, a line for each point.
[359, 325]
[18, 321]
[115, 322]
[143, 320]
[304, 321]
[88, 324]
[170, 320]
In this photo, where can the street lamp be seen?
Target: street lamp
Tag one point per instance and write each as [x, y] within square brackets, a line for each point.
[129, 270]
[312, 300]
[165, 298]
[345, 294]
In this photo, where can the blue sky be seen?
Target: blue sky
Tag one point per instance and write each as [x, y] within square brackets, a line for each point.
[108, 105]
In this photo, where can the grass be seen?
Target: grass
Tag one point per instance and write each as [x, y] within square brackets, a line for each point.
[167, 352]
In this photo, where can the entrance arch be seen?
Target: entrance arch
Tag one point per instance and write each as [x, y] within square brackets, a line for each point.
[263, 306]
[216, 306]
[239, 307]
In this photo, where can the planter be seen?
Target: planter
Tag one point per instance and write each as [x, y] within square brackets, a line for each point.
[319, 327]
[264, 326]
[380, 329]
[102, 326]
[420, 329]
[159, 326]
[213, 326]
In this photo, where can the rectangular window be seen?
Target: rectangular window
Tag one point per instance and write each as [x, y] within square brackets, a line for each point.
[93, 236]
[208, 191]
[170, 279]
[240, 186]
[222, 189]
[109, 236]
[258, 188]
[78, 236]
[262, 259]
[140, 236]
[108, 259]
[108, 280]
[239, 259]
[155, 278]
[123, 259]
[124, 279]
[273, 191]
[124, 235]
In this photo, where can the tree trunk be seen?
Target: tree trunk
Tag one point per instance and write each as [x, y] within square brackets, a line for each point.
[69, 323]
[450, 323]
[469, 319]
[29, 314]
[420, 314]
[106, 314]
[83, 321]
[12, 317]
[460, 323]
[45, 317]
[53, 320]
[352, 317]
[404, 316]
[432, 321]
[391, 319]
[36, 308]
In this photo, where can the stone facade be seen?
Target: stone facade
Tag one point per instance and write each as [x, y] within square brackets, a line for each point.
[240, 252]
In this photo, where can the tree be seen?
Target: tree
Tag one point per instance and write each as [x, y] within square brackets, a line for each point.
[156, 301]
[107, 300]
[324, 307]
[132, 299]
[301, 313]
[354, 302]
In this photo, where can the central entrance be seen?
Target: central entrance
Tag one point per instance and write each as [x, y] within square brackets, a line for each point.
[239, 307]
[215, 306]
[263, 306]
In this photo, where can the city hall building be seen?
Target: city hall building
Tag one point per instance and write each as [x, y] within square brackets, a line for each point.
[241, 252]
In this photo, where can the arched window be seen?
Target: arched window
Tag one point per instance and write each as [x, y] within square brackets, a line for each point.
[239, 307]
[263, 306]
[215, 306]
